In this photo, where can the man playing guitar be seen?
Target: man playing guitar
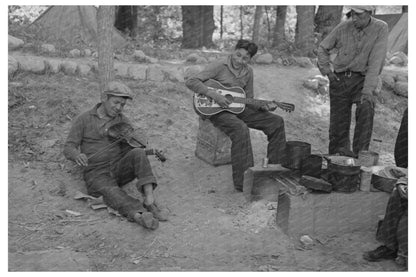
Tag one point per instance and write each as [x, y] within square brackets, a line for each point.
[235, 72]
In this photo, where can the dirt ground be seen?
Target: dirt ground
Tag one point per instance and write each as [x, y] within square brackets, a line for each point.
[211, 227]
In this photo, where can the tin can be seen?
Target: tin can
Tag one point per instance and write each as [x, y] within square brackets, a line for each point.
[265, 162]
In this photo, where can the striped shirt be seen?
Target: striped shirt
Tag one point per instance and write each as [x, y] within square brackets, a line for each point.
[357, 50]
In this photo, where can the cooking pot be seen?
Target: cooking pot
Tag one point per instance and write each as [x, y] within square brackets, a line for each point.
[312, 166]
[343, 173]
[296, 152]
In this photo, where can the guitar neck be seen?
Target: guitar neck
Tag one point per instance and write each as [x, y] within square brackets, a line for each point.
[251, 101]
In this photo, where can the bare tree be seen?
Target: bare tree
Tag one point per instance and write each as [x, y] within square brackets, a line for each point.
[221, 21]
[279, 28]
[197, 26]
[105, 23]
[326, 18]
[304, 36]
[257, 22]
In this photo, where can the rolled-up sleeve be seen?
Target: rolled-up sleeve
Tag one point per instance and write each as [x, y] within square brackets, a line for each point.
[196, 82]
[324, 61]
[376, 61]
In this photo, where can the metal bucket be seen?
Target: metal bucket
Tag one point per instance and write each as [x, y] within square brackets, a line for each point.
[296, 152]
[343, 173]
[312, 166]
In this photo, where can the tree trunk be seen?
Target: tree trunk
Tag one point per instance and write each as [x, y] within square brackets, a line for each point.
[279, 37]
[221, 21]
[241, 22]
[326, 18]
[105, 21]
[126, 20]
[257, 22]
[197, 26]
[266, 9]
[304, 37]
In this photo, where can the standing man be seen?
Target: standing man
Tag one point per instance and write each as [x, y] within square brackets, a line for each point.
[231, 72]
[361, 46]
[107, 165]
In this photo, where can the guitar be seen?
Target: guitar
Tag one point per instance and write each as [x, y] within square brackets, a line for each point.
[205, 105]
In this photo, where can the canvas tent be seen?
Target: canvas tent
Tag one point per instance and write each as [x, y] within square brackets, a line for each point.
[74, 24]
[398, 31]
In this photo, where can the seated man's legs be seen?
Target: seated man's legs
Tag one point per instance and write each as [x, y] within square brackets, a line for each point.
[101, 183]
[390, 230]
[135, 164]
[241, 151]
[273, 127]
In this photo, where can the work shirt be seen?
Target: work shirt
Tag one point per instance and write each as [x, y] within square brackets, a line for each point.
[361, 51]
[88, 135]
[221, 72]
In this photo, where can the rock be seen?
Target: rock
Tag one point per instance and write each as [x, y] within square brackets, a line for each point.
[388, 81]
[75, 53]
[322, 80]
[69, 67]
[139, 56]
[304, 62]
[264, 59]
[15, 43]
[121, 69]
[152, 60]
[311, 84]
[399, 58]
[95, 55]
[212, 59]
[53, 66]
[401, 77]
[173, 74]
[13, 66]
[83, 69]
[192, 58]
[87, 52]
[31, 64]
[401, 88]
[154, 73]
[324, 90]
[137, 72]
[48, 48]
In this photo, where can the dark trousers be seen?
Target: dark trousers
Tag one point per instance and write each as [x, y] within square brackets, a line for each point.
[401, 145]
[236, 128]
[393, 230]
[107, 181]
[343, 94]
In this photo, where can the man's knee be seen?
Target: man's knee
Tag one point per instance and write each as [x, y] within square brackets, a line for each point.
[239, 132]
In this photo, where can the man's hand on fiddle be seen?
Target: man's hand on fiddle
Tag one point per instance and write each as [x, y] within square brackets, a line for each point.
[81, 160]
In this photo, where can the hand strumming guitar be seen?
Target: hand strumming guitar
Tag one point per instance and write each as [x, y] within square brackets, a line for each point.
[221, 100]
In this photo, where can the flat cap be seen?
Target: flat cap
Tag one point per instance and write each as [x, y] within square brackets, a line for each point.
[118, 89]
[361, 9]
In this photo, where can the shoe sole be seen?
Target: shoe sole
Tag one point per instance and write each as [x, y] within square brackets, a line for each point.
[148, 221]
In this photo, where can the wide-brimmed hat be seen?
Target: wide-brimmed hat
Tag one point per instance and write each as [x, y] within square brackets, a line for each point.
[118, 89]
[361, 8]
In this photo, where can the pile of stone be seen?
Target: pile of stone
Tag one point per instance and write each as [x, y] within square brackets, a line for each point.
[396, 81]
[318, 84]
[397, 59]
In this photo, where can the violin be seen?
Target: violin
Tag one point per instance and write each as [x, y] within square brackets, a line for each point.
[124, 132]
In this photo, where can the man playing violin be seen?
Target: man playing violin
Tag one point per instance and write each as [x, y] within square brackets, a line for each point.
[105, 172]
[231, 72]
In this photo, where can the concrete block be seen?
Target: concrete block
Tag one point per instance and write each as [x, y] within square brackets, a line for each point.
[137, 72]
[121, 69]
[53, 66]
[31, 64]
[330, 214]
[83, 69]
[154, 73]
